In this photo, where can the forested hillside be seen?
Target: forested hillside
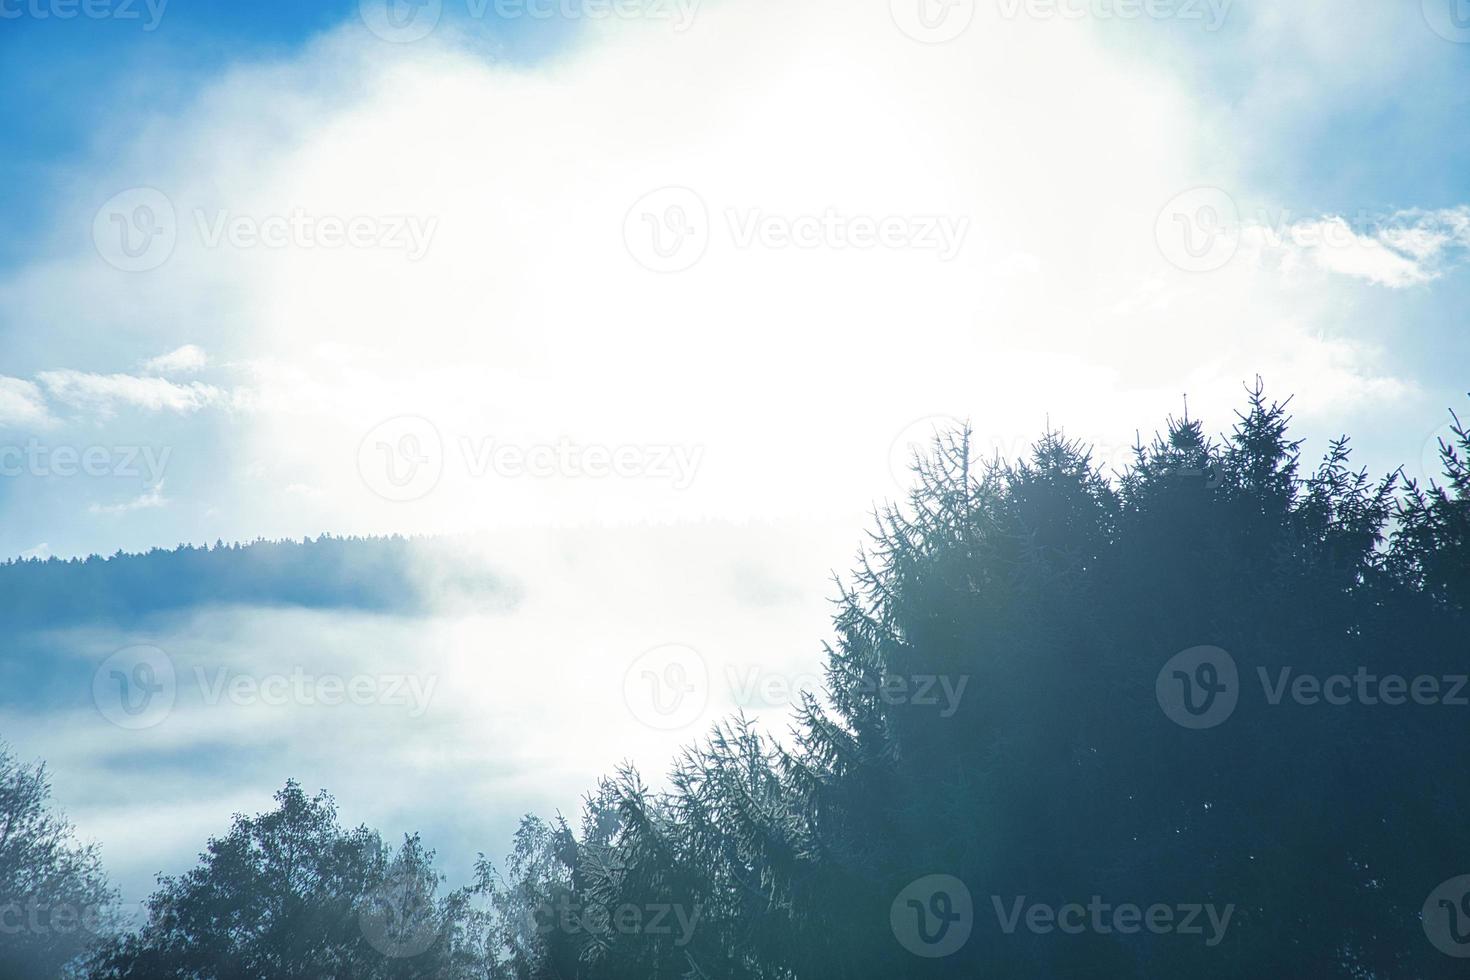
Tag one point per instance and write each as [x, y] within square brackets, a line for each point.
[325, 572]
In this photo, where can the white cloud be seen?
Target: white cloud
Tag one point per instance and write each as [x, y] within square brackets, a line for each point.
[103, 393]
[150, 499]
[181, 360]
[22, 404]
[1408, 248]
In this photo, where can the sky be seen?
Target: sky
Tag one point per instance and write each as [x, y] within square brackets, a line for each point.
[680, 281]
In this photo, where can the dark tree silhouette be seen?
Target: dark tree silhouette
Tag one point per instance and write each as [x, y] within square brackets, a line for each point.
[1062, 597]
[291, 894]
[55, 903]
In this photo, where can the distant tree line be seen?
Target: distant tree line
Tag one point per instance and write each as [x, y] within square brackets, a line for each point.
[374, 574]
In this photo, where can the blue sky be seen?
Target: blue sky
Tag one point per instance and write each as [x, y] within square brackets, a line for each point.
[68, 82]
[1337, 112]
[648, 300]
[62, 80]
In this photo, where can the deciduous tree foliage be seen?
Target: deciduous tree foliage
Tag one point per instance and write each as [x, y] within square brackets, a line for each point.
[55, 903]
[291, 894]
